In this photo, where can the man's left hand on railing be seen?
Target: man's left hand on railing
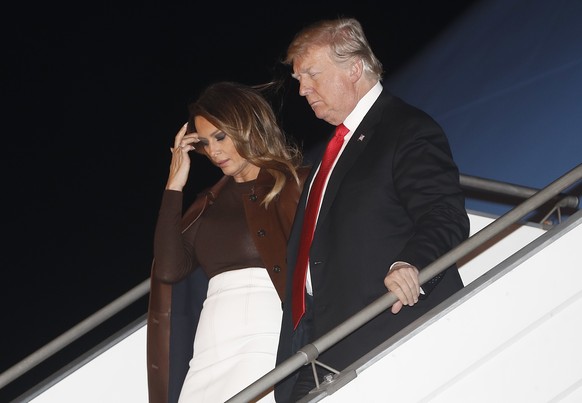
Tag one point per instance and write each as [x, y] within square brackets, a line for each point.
[402, 280]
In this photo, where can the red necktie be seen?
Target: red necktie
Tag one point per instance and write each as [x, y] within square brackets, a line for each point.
[311, 211]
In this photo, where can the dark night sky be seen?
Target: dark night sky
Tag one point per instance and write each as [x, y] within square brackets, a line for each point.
[93, 95]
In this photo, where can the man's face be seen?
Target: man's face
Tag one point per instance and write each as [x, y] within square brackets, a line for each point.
[327, 86]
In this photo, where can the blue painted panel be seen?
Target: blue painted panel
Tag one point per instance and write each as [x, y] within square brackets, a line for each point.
[505, 83]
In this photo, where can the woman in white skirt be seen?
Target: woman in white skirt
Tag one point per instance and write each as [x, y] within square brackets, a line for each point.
[237, 233]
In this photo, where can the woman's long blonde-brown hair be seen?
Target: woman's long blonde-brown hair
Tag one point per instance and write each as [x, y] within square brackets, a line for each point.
[244, 115]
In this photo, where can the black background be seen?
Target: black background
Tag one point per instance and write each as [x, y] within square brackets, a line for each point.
[93, 94]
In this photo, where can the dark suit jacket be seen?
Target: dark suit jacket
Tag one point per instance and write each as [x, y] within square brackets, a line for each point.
[394, 194]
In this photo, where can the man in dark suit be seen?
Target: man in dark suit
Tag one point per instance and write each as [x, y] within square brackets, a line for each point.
[391, 205]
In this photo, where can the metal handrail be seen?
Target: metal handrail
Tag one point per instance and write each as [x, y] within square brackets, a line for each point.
[99, 317]
[310, 352]
[469, 182]
[74, 333]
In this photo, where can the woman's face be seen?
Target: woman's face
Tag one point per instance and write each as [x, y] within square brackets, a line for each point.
[220, 150]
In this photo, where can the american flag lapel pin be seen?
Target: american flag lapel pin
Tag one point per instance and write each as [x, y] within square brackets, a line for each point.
[361, 137]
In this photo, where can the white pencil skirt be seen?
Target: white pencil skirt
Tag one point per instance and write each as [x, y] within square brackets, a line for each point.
[237, 336]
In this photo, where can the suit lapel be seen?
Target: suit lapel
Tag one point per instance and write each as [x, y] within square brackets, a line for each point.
[356, 145]
[295, 236]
